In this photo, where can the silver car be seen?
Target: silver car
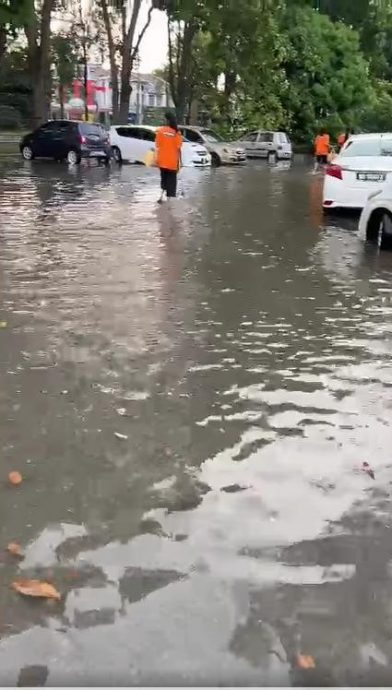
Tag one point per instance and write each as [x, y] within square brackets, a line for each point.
[222, 152]
[263, 144]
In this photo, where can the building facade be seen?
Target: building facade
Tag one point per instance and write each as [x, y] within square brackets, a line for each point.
[149, 94]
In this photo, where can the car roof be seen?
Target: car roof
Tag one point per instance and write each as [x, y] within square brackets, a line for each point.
[150, 127]
[371, 135]
[79, 122]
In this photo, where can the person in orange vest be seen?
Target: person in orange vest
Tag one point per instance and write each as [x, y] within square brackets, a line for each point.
[168, 142]
[321, 149]
[342, 138]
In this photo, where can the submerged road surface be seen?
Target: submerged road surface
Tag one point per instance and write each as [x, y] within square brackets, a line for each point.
[189, 395]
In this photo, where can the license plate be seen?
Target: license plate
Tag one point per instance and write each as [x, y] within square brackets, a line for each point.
[371, 177]
[95, 154]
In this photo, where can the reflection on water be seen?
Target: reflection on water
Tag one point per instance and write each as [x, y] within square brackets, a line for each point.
[189, 394]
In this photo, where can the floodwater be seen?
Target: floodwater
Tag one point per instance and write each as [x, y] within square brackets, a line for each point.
[189, 394]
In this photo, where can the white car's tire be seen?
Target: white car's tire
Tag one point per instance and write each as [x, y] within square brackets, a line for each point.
[116, 153]
[384, 239]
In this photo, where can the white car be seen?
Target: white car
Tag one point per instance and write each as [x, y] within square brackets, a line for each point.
[222, 152]
[262, 144]
[132, 143]
[363, 164]
[375, 223]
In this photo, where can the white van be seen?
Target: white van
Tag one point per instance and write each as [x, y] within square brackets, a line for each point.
[262, 144]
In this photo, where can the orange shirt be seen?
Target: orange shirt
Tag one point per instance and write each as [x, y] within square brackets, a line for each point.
[168, 145]
[321, 145]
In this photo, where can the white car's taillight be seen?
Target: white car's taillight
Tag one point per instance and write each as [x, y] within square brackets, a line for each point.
[334, 171]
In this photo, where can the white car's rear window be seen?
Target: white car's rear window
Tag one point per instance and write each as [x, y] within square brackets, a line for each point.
[367, 147]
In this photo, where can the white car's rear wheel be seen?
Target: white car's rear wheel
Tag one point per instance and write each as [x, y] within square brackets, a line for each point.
[116, 153]
[384, 239]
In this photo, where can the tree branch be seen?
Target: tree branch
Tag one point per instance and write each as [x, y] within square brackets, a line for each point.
[143, 31]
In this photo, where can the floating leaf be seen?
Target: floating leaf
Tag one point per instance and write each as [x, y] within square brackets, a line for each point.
[366, 468]
[15, 549]
[15, 478]
[36, 588]
[3, 324]
[122, 437]
[305, 661]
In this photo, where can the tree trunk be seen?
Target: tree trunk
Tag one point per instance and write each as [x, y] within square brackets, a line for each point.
[112, 60]
[85, 80]
[230, 82]
[125, 85]
[180, 67]
[61, 100]
[38, 39]
[129, 53]
[3, 42]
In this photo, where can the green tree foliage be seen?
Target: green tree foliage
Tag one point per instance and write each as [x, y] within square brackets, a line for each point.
[293, 64]
[328, 76]
[15, 90]
[13, 13]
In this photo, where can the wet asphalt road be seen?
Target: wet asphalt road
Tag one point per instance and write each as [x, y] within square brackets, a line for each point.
[189, 394]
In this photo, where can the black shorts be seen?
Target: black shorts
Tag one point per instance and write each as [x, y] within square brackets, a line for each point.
[323, 160]
[169, 181]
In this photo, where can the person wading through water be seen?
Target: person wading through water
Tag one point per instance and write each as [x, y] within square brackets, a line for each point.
[321, 149]
[168, 141]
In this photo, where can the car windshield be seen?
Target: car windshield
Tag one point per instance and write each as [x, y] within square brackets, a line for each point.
[211, 136]
[367, 147]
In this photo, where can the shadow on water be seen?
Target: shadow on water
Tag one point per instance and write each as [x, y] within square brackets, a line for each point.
[189, 392]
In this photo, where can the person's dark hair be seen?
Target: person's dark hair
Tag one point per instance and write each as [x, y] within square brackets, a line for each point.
[171, 120]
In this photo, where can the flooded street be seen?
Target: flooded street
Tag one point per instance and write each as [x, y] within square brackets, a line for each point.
[189, 394]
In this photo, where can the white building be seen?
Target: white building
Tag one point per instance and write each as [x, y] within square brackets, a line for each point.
[148, 91]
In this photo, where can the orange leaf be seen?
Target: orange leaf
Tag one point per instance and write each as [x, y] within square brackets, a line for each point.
[15, 478]
[36, 588]
[305, 661]
[15, 549]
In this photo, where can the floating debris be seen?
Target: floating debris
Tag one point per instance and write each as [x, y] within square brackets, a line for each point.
[122, 437]
[15, 478]
[15, 549]
[366, 468]
[36, 588]
[305, 661]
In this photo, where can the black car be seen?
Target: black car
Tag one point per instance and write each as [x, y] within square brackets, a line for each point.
[68, 140]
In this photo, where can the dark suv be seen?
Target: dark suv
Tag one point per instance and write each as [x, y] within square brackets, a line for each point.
[68, 140]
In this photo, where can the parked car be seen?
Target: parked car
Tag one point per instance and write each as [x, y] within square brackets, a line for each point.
[375, 223]
[68, 140]
[262, 144]
[222, 152]
[363, 164]
[132, 142]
